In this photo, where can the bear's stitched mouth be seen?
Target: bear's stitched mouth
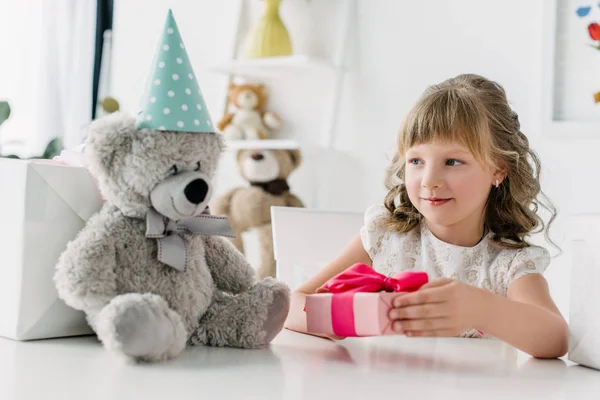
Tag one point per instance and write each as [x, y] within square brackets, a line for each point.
[177, 211]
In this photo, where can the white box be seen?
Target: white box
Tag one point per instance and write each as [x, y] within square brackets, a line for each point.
[584, 314]
[305, 240]
[42, 207]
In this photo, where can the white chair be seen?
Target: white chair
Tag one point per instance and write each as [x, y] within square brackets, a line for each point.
[305, 240]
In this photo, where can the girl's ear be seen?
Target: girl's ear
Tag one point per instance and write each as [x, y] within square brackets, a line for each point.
[499, 176]
[500, 171]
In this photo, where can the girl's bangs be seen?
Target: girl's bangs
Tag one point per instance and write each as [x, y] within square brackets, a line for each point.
[448, 117]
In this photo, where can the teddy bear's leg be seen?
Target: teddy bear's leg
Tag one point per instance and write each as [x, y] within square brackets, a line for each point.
[141, 327]
[255, 134]
[250, 319]
[232, 132]
[267, 258]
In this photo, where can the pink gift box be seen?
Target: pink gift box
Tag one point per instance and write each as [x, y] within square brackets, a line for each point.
[350, 314]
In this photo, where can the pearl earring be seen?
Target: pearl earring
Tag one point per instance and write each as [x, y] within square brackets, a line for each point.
[497, 183]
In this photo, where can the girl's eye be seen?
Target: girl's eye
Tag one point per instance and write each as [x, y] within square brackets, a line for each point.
[174, 170]
[414, 161]
[197, 166]
[452, 162]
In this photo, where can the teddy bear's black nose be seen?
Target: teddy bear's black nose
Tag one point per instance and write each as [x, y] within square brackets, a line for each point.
[196, 191]
[257, 156]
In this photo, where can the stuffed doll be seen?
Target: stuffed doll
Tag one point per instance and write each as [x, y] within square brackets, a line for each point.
[250, 207]
[249, 120]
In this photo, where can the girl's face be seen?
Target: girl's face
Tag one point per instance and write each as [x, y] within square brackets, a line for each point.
[447, 184]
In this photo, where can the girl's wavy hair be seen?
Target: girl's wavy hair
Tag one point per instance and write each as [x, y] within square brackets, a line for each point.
[473, 111]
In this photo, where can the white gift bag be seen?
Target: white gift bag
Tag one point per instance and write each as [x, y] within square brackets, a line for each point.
[584, 310]
[43, 206]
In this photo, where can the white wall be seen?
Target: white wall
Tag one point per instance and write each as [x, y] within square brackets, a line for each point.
[396, 49]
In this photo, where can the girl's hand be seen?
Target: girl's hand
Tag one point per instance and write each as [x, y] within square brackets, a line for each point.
[444, 307]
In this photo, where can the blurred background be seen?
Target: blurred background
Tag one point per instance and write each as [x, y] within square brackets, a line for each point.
[341, 87]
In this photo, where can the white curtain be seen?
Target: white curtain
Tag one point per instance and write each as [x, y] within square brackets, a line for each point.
[46, 72]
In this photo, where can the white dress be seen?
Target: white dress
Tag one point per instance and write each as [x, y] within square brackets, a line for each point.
[486, 265]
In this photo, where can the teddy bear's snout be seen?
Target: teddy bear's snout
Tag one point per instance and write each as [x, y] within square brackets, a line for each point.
[196, 191]
[257, 157]
[183, 195]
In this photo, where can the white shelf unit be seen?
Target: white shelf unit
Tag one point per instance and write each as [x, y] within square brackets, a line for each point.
[272, 65]
[298, 64]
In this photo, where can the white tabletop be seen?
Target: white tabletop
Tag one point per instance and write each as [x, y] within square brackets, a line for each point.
[295, 366]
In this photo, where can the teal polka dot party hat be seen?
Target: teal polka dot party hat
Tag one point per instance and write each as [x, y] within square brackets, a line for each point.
[173, 100]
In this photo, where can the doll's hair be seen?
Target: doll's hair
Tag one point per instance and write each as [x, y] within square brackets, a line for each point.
[473, 111]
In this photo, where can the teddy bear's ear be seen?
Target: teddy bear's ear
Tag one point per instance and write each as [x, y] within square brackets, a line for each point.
[296, 157]
[239, 155]
[231, 88]
[263, 89]
[109, 138]
[222, 146]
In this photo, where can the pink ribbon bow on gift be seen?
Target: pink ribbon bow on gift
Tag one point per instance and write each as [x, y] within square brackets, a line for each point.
[363, 278]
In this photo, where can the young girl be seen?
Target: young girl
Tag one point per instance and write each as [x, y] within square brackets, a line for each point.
[463, 196]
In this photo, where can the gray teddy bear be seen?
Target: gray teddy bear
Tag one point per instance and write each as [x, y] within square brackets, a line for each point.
[150, 280]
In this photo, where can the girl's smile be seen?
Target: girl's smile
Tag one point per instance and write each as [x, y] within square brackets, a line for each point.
[436, 202]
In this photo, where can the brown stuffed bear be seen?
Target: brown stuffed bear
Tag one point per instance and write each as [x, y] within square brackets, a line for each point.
[250, 207]
[249, 120]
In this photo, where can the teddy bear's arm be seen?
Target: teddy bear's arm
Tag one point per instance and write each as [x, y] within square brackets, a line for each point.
[85, 274]
[226, 120]
[293, 201]
[271, 120]
[222, 204]
[229, 269]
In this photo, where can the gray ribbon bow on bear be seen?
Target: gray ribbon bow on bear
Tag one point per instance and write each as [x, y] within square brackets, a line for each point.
[172, 248]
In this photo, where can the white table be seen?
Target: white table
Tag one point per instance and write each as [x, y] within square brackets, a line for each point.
[295, 366]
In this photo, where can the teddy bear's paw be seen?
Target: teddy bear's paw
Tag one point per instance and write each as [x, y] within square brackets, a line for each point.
[277, 310]
[272, 120]
[141, 327]
[232, 132]
[249, 320]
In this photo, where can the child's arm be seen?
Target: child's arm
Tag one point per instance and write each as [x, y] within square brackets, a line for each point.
[353, 253]
[527, 319]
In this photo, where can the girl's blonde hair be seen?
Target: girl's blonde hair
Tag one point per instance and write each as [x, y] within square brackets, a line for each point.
[473, 111]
